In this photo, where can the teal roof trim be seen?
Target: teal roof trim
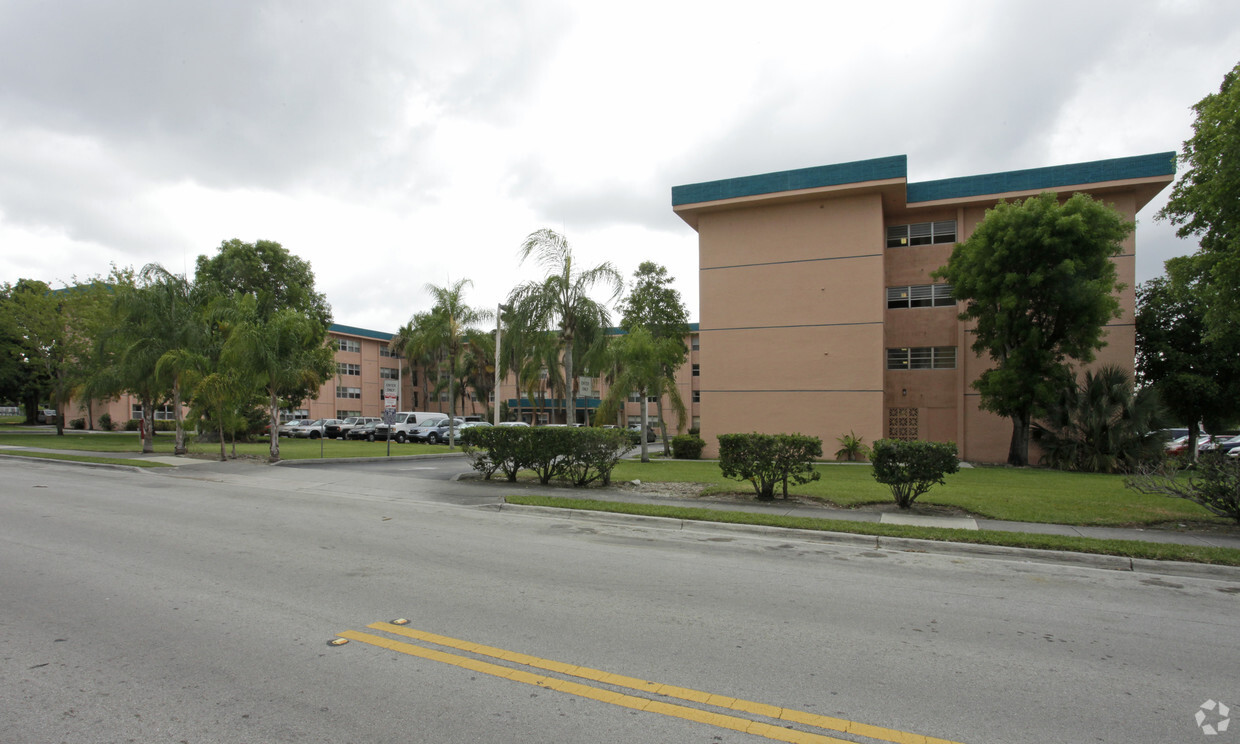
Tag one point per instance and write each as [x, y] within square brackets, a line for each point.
[355, 331]
[878, 169]
[1037, 179]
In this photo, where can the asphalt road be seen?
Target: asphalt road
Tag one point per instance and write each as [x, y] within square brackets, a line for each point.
[196, 606]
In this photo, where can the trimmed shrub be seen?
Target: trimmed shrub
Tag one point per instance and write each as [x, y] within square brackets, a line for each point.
[132, 424]
[593, 454]
[77, 423]
[910, 468]
[106, 423]
[507, 449]
[767, 459]
[687, 447]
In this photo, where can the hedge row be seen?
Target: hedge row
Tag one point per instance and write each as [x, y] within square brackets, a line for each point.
[580, 455]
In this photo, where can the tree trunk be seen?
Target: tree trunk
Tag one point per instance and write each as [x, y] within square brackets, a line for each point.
[1018, 451]
[274, 450]
[223, 452]
[1194, 431]
[570, 399]
[645, 427]
[179, 447]
[147, 425]
[667, 448]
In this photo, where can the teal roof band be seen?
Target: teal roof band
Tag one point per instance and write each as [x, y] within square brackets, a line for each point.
[860, 171]
[1041, 179]
[355, 331]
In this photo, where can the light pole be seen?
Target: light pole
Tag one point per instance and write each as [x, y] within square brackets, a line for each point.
[499, 322]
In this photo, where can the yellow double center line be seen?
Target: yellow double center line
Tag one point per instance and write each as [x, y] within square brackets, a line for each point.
[734, 723]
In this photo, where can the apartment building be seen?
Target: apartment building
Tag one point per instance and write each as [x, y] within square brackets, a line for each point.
[817, 311]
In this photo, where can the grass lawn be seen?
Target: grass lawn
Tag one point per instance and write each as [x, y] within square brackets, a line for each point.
[1124, 548]
[1012, 494]
[290, 449]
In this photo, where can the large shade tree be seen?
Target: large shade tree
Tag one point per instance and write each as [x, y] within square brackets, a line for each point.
[278, 327]
[1039, 285]
[1194, 372]
[655, 305]
[1205, 203]
[561, 301]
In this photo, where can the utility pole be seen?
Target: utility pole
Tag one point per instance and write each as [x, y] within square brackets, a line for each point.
[499, 314]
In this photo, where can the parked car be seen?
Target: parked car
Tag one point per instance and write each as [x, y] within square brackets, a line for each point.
[1179, 445]
[365, 429]
[434, 432]
[287, 428]
[1221, 444]
[406, 421]
[513, 423]
[650, 435]
[341, 427]
[46, 416]
[313, 430]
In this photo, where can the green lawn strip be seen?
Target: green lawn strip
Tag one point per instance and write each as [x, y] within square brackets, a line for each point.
[1124, 548]
[136, 462]
[290, 449]
[1009, 494]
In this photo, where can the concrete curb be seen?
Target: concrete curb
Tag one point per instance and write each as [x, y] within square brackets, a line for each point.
[899, 544]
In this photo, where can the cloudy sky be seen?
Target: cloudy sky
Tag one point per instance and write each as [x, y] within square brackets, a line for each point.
[394, 144]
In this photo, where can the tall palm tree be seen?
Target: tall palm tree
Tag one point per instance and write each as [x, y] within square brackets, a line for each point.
[449, 323]
[562, 300]
[415, 345]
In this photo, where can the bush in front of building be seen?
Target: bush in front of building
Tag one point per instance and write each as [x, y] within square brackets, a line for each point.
[77, 423]
[132, 424]
[688, 447]
[106, 423]
[1213, 483]
[767, 459]
[910, 468]
[579, 455]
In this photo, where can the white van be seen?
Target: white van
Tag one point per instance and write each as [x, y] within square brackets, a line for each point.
[407, 421]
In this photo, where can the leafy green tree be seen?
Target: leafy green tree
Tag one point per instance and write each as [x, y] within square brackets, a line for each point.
[1101, 424]
[1205, 202]
[1037, 279]
[57, 329]
[1194, 373]
[414, 344]
[561, 300]
[655, 305]
[277, 322]
[642, 363]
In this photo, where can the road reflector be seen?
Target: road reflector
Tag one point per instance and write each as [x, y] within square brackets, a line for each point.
[337, 641]
[400, 621]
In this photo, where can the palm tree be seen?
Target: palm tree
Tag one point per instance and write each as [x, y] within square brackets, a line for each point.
[414, 344]
[284, 353]
[449, 323]
[640, 361]
[562, 301]
[1100, 424]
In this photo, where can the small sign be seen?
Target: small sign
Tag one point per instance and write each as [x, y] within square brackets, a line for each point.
[391, 388]
[389, 415]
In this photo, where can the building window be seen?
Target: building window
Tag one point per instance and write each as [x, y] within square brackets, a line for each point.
[922, 357]
[635, 396]
[697, 396]
[348, 344]
[348, 392]
[351, 370]
[387, 373]
[697, 423]
[635, 421]
[544, 419]
[415, 399]
[922, 233]
[341, 414]
[693, 344]
[697, 370]
[920, 295]
[164, 413]
[443, 397]
[386, 351]
[902, 423]
[413, 376]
